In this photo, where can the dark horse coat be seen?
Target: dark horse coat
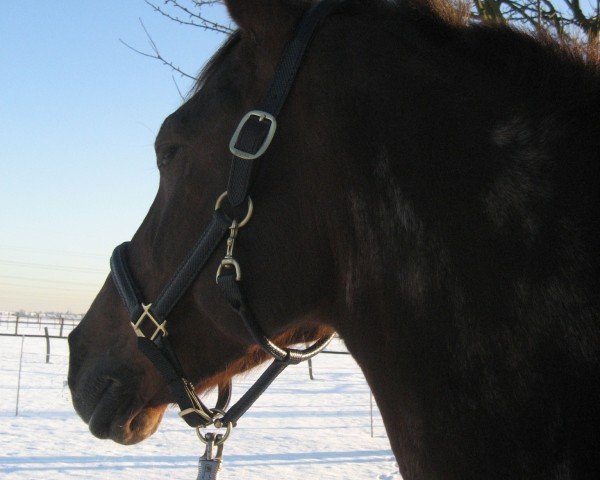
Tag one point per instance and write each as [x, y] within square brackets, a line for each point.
[432, 194]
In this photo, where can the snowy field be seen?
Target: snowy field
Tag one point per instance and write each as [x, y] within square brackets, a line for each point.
[299, 429]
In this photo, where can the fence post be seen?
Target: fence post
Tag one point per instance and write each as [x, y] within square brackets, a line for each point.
[19, 377]
[47, 345]
[62, 324]
[17, 324]
[310, 370]
[371, 405]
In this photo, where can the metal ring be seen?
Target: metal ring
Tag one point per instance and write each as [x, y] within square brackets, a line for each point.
[225, 436]
[248, 213]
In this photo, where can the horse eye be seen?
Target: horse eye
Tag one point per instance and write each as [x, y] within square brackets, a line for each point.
[166, 155]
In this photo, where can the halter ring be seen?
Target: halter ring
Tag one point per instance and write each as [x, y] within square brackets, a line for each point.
[225, 436]
[248, 213]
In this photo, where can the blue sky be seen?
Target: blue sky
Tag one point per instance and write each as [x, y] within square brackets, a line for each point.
[78, 115]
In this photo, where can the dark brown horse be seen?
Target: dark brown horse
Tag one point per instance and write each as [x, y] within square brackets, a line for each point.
[432, 193]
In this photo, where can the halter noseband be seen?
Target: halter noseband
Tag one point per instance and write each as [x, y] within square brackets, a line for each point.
[149, 320]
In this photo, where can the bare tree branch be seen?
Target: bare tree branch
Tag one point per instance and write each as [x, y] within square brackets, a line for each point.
[556, 17]
[181, 95]
[563, 19]
[156, 54]
[195, 19]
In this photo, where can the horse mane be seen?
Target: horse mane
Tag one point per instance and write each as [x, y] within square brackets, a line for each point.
[215, 62]
[532, 61]
[446, 16]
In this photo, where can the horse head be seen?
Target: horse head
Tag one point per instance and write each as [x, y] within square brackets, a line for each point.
[283, 251]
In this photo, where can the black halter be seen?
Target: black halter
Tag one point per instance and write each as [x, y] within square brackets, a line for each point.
[250, 141]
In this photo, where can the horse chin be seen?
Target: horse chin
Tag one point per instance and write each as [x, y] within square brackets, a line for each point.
[113, 408]
[124, 428]
[138, 427]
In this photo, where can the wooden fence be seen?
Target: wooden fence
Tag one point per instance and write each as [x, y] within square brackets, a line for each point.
[41, 325]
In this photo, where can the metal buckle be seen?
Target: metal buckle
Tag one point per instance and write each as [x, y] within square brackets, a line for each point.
[160, 327]
[262, 116]
[198, 412]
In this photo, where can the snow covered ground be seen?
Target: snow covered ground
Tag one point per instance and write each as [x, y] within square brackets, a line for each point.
[300, 429]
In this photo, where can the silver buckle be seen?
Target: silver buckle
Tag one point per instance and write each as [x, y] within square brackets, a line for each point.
[160, 327]
[198, 412]
[262, 116]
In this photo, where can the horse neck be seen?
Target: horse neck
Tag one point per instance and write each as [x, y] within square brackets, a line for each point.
[436, 128]
[414, 208]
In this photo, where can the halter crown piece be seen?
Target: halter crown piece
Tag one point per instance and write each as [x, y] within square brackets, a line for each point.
[149, 320]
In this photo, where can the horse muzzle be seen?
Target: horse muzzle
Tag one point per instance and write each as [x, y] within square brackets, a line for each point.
[108, 394]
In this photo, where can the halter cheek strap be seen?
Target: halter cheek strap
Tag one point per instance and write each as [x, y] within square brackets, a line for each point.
[257, 127]
[149, 320]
